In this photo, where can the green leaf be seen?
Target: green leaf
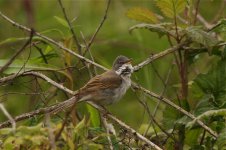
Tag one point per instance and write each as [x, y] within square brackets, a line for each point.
[207, 115]
[213, 83]
[221, 140]
[27, 130]
[158, 28]
[19, 65]
[171, 8]
[81, 129]
[62, 21]
[9, 143]
[204, 105]
[192, 136]
[220, 26]
[142, 14]
[170, 116]
[6, 131]
[200, 36]
[14, 39]
[94, 116]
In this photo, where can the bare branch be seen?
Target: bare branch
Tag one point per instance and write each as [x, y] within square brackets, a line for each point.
[125, 126]
[103, 111]
[39, 75]
[11, 120]
[159, 55]
[167, 101]
[106, 125]
[196, 11]
[36, 112]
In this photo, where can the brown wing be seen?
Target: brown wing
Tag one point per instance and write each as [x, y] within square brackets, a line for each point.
[108, 79]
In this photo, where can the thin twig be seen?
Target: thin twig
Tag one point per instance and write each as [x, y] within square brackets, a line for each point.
[50, 132]
[10, 61]
[39, 75]
[158, 55]
[167, 101]
[100, 25]
[108, 132]
[164, 89]
[125, 126]
[91, 56]
[71, 29]
[196, 12]
[11, 120]
[103, 111]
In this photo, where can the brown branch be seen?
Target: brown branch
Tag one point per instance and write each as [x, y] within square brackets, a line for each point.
[158, 55]
[167, 101]
[39, 75]
[103, 111]
[54, 107]
[196, 12]
[35, 113]
[125, 126]
[10, 61]
[71, 29]
[11, 120]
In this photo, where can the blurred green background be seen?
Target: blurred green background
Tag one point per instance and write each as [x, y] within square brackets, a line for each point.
[112, 40]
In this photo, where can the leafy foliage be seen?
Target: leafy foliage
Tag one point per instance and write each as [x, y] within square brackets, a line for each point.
[220, 26]
[142, 15]
[213, 83]
[221, 140]
[206, 91]
[37, 137]
[62, 21]
[199, 36]
[171, 8]
[158, 28]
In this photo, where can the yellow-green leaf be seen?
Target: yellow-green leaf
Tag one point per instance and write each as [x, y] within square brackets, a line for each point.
[171, 8]
[62, 21]
[142, 14]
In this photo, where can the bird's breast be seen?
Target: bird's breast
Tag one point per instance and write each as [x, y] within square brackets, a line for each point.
[121, 90]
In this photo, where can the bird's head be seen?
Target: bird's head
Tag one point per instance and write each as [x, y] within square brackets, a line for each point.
[122, 65]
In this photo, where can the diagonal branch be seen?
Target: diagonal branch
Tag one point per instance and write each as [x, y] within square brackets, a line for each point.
[52, 108]
[71, 29]
[167, 101]
[159, 55]
[152, 94]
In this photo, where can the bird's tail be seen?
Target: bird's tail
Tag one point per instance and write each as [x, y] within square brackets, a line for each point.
[64, 105]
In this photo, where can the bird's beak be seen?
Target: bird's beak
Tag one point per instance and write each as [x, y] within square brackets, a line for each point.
[129, 61]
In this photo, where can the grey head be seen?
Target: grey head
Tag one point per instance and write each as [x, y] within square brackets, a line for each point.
[122, 65]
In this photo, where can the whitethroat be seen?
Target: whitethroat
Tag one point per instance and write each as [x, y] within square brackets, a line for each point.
[106, 88]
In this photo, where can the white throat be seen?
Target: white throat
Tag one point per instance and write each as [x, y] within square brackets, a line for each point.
[124, 67]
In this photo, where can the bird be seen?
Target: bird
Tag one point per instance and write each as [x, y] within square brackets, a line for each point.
[106, 88]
